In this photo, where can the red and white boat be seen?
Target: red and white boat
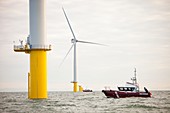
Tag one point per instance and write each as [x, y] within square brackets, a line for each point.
[129, 90]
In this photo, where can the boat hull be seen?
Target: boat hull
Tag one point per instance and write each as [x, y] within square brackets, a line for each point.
[87, 91]
[124, 94]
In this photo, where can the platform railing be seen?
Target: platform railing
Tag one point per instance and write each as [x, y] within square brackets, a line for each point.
[32, 47]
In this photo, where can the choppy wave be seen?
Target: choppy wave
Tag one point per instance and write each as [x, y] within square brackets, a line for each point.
[141, 106]
[69, 102]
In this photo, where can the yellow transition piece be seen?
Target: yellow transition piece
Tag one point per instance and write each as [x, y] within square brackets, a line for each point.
[75, 89]
[37, 78]
[80, 88]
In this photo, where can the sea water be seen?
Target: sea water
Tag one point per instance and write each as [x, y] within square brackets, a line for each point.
[89, 102]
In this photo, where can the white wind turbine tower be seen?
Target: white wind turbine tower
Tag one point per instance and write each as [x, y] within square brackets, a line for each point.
[74, 41]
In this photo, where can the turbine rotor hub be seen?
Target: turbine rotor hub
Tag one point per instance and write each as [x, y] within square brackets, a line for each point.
[74, 40]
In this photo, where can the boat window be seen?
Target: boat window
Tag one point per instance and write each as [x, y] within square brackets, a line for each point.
[126, 88]
[121, 88]
[133, 89]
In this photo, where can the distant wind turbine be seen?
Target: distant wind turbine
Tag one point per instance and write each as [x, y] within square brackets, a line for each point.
[74, 41]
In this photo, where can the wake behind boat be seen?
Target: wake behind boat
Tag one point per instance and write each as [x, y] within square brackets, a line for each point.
[129, 90]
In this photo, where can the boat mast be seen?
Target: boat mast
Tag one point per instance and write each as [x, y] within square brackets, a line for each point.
[135, 80]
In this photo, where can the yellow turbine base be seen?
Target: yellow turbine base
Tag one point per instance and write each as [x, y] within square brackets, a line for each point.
[37, 78]
[75, 89]
[80, 88]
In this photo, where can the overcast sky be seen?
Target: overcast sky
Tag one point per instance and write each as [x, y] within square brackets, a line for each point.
[137, 32]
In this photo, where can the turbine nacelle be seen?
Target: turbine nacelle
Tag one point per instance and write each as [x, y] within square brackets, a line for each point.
[74, 41]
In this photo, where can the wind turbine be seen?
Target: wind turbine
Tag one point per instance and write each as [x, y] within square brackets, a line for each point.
[74, 41]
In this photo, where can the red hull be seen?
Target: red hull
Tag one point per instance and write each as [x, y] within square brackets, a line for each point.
[124, 94]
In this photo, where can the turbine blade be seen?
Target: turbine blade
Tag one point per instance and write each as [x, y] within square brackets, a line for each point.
[91, 43]
[66, 55]
[69, 23]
